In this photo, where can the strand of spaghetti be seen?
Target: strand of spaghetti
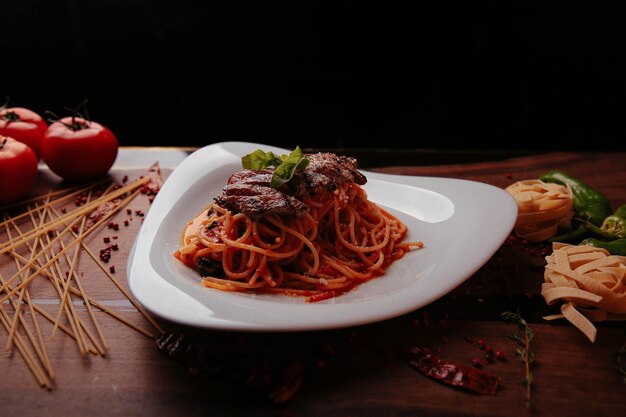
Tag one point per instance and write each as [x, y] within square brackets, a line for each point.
[252, 259]
[229, 285]
[227, 265]
[312, 226]
[356, 248]
[74, 242]
[35, 367]
[36, 307]
[65, 284]
[73, 214]
[38, 345]
[267, 277]
[351, 228]
[17, 313]
[32, 261]
[371, 266]
[130, 298]
[258, 228]
[306, 241]
[349, 272]
[17, 308]
[24, 292]
[48, 317]
[315, 280]
[100, 348]
[106, 270]
[255, 276]
[71, 314]
[51, 193]
[47, 273]
[83, 335]
[258, 270]
[54, 280]
[262, 251]
[237, 218]
[293, 291]
[279, 274]
[216, 247]
[31, 362]
[93, 302]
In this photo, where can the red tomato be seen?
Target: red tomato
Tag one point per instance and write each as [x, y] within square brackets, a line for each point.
[18, 169]
[23, 125]
[78, 149]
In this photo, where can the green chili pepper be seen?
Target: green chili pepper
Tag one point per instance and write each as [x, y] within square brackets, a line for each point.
[615, 224]
[589, 204]
[615, 247]
[573, 236]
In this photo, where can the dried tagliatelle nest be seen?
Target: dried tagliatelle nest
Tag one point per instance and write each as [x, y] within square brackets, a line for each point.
[589, 281]
[541, 207]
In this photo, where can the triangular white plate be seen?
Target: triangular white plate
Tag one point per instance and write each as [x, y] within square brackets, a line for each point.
[462, 224]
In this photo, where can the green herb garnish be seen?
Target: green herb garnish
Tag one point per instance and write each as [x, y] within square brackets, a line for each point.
[523, 352]
[284, 165]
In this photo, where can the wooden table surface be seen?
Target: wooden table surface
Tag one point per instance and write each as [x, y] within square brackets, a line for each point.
[360, 371]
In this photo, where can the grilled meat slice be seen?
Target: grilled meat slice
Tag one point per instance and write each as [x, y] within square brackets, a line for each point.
[249, 192]
[261, 177]
[338, 168]
[258, 201]
[324, 173]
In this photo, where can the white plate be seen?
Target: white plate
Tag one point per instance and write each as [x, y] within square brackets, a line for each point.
[462, 223]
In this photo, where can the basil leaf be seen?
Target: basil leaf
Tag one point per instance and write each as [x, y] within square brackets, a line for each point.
[293, 162]
[285, 165]
[260, 160]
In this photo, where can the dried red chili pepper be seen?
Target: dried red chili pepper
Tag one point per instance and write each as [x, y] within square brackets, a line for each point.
[462, 376]
[153, 186]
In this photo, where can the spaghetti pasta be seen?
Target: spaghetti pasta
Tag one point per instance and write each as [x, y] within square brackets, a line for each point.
[341, 241]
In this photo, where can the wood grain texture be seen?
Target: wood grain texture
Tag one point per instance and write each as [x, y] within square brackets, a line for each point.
[361, 371]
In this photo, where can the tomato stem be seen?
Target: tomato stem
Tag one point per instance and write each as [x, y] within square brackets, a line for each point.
[11, 116]
[75, 125]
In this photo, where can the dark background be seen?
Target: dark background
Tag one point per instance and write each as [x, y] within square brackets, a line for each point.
[473, 75]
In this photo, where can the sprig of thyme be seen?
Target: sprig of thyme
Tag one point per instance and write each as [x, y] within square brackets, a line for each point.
[523, 352]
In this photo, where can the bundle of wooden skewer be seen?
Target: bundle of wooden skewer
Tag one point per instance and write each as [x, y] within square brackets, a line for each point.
[44, 244]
